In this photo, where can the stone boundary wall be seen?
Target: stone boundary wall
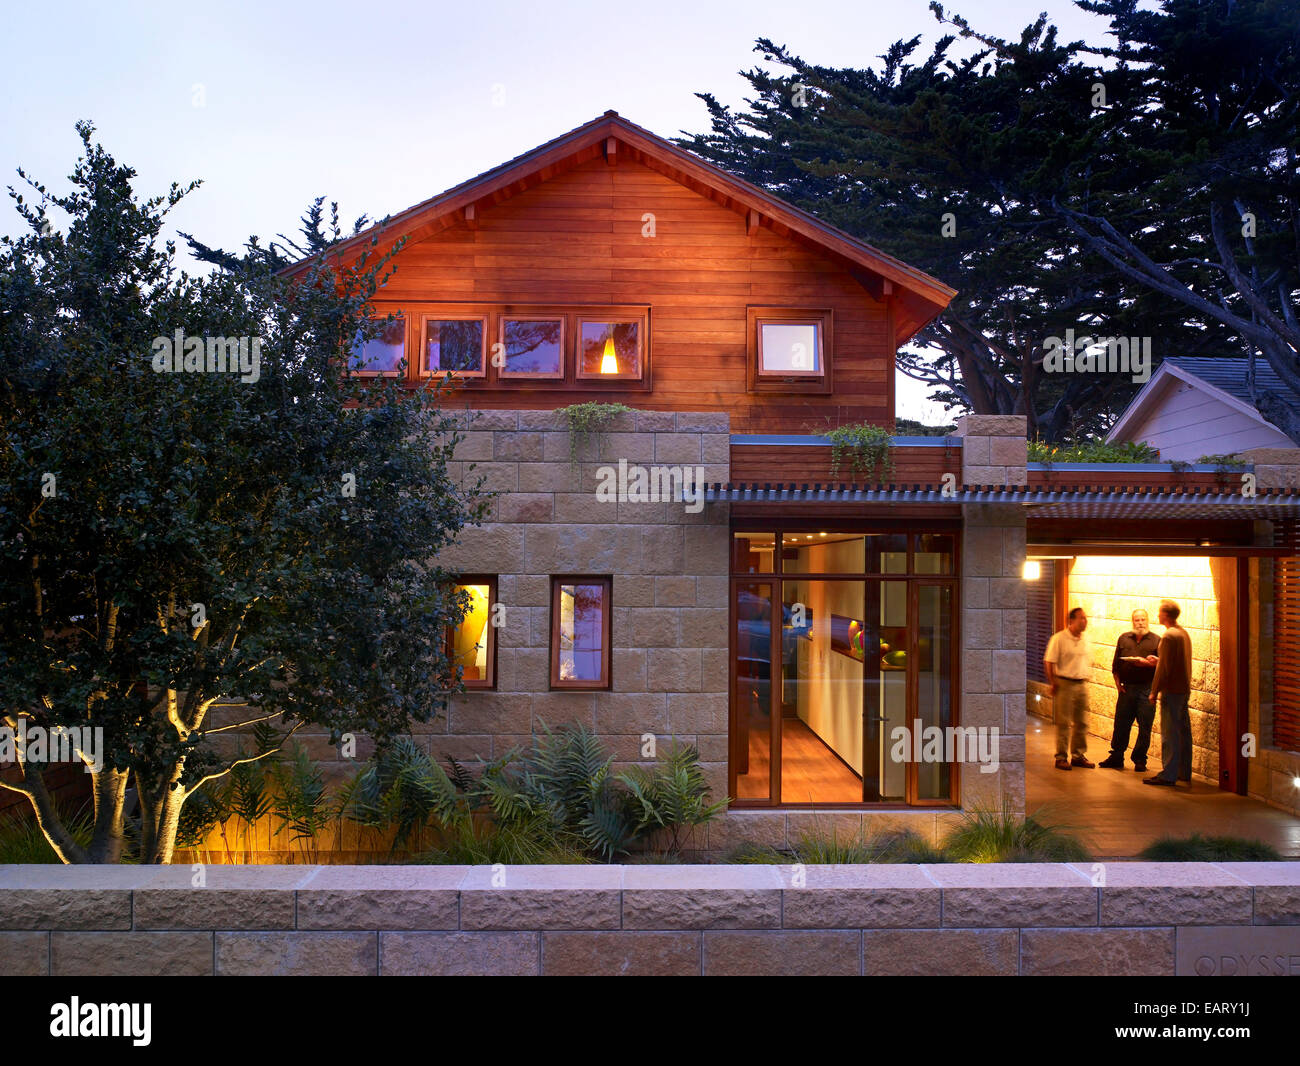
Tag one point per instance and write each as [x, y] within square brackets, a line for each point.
[1030, 919]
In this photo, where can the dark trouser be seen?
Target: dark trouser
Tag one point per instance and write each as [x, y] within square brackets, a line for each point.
[1134, 705]
[1175, 737]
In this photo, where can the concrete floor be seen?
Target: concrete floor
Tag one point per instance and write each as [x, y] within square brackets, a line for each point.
[1115, 815]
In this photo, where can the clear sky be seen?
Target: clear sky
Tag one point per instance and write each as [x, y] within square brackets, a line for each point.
[380, 105]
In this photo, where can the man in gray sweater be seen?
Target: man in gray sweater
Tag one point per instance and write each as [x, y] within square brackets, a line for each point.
[1173, 685]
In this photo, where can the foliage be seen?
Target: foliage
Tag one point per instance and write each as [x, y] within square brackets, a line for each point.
[1198, 848]
[587, 422]
[300, 802]
[673, 795]
[21, 839]
[1224, 460]
[867, 448]
[989, 835]
[173, 542]
[1092, 452]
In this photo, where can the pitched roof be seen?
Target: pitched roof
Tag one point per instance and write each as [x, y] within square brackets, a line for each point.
[920, 297]
[1229, 374]
[1223, 377]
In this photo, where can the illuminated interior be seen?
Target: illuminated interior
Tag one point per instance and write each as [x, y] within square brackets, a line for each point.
[469, 642]
[581, 632]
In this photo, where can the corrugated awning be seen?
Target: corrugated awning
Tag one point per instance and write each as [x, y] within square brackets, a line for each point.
[1101, 502]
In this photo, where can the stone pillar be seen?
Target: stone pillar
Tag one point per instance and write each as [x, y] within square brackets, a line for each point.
[992, 681]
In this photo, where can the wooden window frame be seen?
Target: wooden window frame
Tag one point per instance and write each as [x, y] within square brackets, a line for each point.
[454, 315]
[796, 381]
[490, 682]
[400, 375]
[605, 681]
[784, 522]
[615, 315]
[505, 375]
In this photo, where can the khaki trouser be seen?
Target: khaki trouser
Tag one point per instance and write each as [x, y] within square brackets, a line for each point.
[1070, 709]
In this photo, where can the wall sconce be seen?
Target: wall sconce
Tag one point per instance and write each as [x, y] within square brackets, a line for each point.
[1033, 570]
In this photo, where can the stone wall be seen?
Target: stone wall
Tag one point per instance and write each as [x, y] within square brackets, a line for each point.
[1030, 919]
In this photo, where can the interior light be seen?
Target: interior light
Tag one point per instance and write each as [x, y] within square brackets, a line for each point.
[1033, 570]
[821, 534]
[609, 361]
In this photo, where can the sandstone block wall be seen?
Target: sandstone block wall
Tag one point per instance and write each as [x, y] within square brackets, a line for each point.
[991, 920]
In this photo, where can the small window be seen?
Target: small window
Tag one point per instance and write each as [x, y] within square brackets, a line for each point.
[533, 347]
[471, 646]
[383, 353]
[609, 350]
[581, 628]
[790, 349]
[455, 345]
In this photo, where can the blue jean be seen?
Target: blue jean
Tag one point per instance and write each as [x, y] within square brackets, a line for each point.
[1134, 705]
[1175, 737]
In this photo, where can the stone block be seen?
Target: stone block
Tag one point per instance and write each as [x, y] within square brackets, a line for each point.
[381, 897]
[1015, 895]
[701, 897]
[297, 954]
[946, 952]
[860, 897]
[620, 954]
[1097, 952]
[784, 952]
[25, 954]
[410, 954]
[134, 954]
[1172, 893]
[541, 897]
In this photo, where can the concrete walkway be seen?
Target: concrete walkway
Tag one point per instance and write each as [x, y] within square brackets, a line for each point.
[1116, 816]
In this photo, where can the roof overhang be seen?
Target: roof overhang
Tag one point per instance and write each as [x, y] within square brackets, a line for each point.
[920, 297]
[1037, 503]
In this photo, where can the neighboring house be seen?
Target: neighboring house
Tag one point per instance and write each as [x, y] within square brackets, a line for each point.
[788, 622]
[1195, 406]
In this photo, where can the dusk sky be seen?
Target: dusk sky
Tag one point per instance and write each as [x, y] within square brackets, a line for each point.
[382, 106]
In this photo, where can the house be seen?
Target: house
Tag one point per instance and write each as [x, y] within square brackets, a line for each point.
[848, 639]
[1197, 406]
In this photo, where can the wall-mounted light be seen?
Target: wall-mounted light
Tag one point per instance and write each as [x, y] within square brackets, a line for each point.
[609, 360]
[1033, 570]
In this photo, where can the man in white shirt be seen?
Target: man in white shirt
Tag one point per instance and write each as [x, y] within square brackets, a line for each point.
[1069, 663]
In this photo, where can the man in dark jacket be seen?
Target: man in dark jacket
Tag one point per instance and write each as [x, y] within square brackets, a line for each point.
[1173, 684]
[1133, 667]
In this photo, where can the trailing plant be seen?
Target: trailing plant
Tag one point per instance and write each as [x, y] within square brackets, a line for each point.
[867, 448]
[1092, 452]
[588, 422]
[673, 795]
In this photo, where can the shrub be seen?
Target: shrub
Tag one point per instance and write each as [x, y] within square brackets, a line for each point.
[986, 835]
[1198, 848]
[1092, 452]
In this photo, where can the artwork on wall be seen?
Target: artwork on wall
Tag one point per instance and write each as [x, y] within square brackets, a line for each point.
[848, 637]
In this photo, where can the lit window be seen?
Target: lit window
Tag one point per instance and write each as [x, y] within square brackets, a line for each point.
[384, 352]
[789, 349]
[533, 347]
[456, 345]
[471, 646]
[580, 632]
[609, 349]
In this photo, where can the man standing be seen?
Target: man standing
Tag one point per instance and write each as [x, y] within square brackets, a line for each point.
[1173, 685]
[1069, 662]
[1133, 667]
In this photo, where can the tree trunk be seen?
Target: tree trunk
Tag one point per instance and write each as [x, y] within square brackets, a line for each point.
[160, 812]
[109, 790]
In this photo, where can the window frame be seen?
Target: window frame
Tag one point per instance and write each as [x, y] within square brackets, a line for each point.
[615, 315]
[796, 381]
[490, 682]
[401, 375]
[453, 314]
[505, 375]
[606, 680]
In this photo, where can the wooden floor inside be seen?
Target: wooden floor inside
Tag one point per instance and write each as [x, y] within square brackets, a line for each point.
[810, 771]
